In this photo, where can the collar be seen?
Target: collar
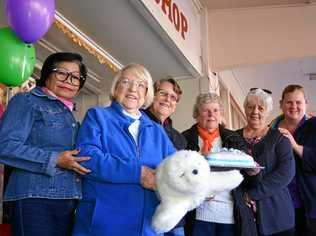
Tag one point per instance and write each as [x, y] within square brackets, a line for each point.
[167, 122]
[67, 103]
[133, 116]
[276, 122]
[118, 108]
[37, 91]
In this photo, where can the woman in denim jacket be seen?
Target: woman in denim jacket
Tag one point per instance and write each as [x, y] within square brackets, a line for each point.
[37, 136]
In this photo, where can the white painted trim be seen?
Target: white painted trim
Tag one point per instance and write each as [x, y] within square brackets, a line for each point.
[198, 5]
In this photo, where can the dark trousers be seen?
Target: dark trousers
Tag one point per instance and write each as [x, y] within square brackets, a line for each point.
[49, 217]
[202, 228]
[289, 232]
[304, 226]
[310, 229]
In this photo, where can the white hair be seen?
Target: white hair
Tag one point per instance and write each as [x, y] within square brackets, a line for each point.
[140, 72]
[264, 98]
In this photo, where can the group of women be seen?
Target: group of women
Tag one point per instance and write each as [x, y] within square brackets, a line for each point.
[100, 179]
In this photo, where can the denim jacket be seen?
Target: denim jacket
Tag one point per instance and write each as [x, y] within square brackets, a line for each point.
[33, 131]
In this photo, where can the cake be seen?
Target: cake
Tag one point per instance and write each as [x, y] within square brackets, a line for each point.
[230, 158]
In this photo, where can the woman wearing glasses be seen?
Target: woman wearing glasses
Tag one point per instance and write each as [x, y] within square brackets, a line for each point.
[267, 193]
[125, 146]
[299, 128]
[167, 95]
[37, 137]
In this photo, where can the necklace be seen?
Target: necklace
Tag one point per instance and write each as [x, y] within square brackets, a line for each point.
[249, 133]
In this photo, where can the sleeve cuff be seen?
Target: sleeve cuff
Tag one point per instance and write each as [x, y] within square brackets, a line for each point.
[52, 163]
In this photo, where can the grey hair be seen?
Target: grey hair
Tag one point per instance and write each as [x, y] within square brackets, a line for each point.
[263, 97]
[141, 73]
[205, 98]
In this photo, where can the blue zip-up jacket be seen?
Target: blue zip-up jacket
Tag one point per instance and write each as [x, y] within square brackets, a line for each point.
[114, 202]
[305, 135]
[33, 131]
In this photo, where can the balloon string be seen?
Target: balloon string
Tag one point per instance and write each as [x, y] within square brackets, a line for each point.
[24, 62]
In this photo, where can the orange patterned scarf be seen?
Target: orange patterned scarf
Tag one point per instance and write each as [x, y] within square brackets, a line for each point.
[208, 138]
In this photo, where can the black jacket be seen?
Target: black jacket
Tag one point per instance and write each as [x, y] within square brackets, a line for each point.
[176, 138]
[244, 220]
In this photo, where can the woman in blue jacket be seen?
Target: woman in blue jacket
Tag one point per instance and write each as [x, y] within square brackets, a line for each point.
[37, 135]
[300, 129]
[125, 147]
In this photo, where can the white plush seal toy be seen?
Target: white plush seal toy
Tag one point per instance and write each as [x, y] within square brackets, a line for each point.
[184, 181]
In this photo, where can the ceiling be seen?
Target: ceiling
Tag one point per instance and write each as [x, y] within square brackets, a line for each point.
[277, 75]
[230, 4]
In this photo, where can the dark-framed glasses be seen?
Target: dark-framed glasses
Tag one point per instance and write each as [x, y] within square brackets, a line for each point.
[165, 94]
[265, 90]
[62, 75]
[139, 84]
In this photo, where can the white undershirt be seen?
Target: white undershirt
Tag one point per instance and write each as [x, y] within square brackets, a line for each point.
[134, 127]
[219, 209]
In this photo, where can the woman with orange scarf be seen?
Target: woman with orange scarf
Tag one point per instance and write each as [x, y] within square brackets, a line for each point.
[226, 214]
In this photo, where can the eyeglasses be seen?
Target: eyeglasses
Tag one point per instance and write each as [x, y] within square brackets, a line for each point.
[62, 75]
[165, 94]
[140, 85]
[265, 90]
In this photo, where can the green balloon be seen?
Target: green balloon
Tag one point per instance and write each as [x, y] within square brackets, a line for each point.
[17, 59]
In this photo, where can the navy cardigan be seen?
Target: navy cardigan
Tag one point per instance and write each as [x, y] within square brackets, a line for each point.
[305, 135]
[275, 211]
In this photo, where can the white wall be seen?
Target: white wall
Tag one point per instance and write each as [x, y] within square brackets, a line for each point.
[191, 88]
[233, 86]
[260, 35]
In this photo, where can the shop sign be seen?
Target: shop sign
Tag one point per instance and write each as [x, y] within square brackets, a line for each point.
[182, 22]
[175, 15]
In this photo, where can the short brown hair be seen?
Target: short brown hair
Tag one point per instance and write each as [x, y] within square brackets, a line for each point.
[169, 79]
[291, 88]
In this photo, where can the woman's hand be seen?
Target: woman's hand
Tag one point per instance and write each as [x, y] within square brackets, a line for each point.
[296, 147]
[148, 178]
[68, 160]
[254, 171]
[250, 203]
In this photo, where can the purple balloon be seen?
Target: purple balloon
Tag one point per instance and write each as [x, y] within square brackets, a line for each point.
[30, 19]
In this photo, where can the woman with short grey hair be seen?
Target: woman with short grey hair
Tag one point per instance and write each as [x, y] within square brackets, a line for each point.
[223, 215]
[263, 97]
[204, 98]
[268, 196]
